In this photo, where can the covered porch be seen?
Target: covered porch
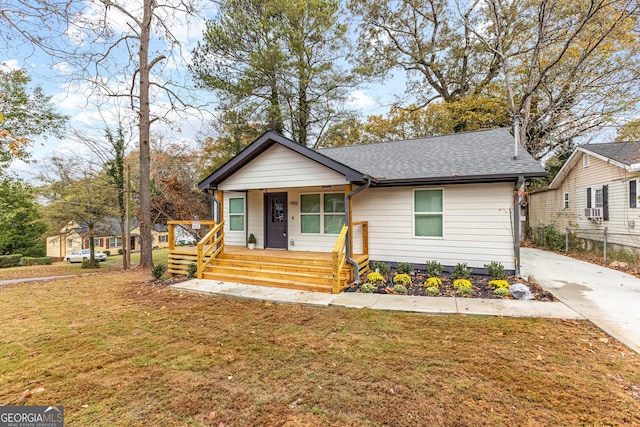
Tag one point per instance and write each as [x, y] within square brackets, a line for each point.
[303, 270]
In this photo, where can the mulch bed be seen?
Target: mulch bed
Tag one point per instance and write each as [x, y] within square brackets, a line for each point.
[480, 287]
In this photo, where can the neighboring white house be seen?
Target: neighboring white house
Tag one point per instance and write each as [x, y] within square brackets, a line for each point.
[448, 198]
[597, 188]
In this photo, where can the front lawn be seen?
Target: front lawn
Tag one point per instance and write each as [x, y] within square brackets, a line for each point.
[115, 350]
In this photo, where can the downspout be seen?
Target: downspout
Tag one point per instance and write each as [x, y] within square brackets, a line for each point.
[516, 223]
[347, 221]
[214, 205]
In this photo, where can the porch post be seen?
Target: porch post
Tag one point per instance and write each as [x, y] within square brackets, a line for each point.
[350, 232]
[220, 195]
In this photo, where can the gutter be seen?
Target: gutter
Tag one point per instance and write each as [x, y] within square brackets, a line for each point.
[214, 205]
[516, 223]
[347, 198]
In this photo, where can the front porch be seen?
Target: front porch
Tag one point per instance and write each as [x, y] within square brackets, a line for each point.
[302, 270]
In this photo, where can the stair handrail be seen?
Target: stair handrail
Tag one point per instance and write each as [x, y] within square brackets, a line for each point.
[339, 257]
[211, 245]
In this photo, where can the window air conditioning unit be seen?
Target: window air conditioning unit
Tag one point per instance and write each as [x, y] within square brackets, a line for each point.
[593, 213]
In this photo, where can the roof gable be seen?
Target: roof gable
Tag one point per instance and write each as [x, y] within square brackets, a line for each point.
[262, 144]
[625, 155]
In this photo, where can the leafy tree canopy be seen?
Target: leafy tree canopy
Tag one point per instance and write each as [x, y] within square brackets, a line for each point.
[21, 225]
[24, 114]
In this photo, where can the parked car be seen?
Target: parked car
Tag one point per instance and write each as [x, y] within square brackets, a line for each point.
[83, 254]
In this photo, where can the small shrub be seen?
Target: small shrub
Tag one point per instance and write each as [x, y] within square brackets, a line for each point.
[192, 269]
[404, 268]
[252, 239]
[382, 267]
[375, 277]
[107, 253]
[27, 260]
[367, 288]
[461, 271]
[120, 251]
[158, 271]
[434, 268]
[89, 263]
[402, 279]
[465, 291]
[400, 289]
[433, 282]
[502, 292]
[496, 270]
[10, 260]
[499, 284]
[433, 290]
[461, 283]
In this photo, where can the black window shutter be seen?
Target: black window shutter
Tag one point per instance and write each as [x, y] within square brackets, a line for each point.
[589, 197]
[605, 202]
[633, 198]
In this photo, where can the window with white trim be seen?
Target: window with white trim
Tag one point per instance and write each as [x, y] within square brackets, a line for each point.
[585, 160]
[236, 214]
[69, 243]
[115, 242]
[566, 200]
[428, 212]
[163, 238]
[321, 213]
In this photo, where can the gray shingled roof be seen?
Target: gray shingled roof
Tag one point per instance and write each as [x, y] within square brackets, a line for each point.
[627, 153]
[472, 154]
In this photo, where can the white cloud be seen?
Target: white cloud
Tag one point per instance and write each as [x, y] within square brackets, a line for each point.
[10, 65]
[359, 99]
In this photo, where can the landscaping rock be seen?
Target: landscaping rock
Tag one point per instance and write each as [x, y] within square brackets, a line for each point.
[520, 291]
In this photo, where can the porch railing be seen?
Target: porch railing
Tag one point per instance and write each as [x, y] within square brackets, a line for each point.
[181, 257]
[211, 245]
[339, 254]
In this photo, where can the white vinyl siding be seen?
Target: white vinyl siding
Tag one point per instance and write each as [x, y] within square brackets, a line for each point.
[477, 228]
[236, 214]
[278, 168]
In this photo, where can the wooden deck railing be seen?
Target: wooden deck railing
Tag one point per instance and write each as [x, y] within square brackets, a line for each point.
[339, 254]
[181, 257]
[210, 246]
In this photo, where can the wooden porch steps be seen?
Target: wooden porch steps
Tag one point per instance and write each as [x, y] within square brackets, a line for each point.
[291, 271]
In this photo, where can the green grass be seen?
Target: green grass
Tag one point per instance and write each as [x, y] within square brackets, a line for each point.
[160, 256]
[118, 351]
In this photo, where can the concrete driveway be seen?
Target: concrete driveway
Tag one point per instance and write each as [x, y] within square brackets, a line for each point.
[607, 297]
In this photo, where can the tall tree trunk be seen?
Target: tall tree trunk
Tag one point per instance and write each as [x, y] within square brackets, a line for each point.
[146, 258]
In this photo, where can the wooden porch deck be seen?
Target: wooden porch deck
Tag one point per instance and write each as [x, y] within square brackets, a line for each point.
[303, 270]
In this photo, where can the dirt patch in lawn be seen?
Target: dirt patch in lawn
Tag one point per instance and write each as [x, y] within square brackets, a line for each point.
[116, 350]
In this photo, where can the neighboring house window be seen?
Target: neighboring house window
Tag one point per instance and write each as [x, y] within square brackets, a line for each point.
[54, 242]
[115, 242]
[163, 238]
[566, 200]
[598, 197]
[585, 160]
[236, 214]
[97, 242]
[321, 213]
[633, 193]
[428, 211]
[69, 243]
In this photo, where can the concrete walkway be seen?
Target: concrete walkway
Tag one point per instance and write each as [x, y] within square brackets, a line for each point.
[32, 279]
[607, 297]
[431, 305]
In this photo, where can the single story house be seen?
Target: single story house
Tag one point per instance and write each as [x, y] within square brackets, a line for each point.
[452, 198]
[596, 189]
